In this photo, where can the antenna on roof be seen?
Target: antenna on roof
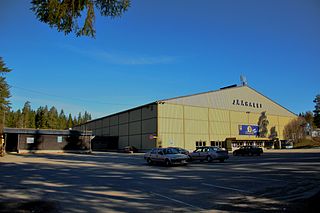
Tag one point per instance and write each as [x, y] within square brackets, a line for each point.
[243, 80]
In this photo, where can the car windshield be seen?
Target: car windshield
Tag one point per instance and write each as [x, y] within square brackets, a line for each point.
[170, 151]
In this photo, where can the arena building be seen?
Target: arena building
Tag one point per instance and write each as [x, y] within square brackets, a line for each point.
[227, 117]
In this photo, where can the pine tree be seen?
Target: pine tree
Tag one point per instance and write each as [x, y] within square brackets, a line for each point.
[70, 121]
[62, 120]
[4, 94]
[316, 112]
[273, 133]
[263, 125]
[65, 16]
[86, 117]
[53, 118]
[26, 115]
[42, 118]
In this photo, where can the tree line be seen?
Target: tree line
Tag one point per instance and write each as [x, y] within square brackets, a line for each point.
[4, 93]
[304, 124]
[43, 118]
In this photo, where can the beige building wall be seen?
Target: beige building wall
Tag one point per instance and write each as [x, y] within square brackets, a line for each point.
[183, 126]
[182, 121]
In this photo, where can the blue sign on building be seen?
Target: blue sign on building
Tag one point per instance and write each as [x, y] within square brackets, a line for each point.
[248, 130]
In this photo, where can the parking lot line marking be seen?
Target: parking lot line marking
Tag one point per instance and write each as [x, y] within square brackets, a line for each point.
[178, 201]
[229, 188]
[264, 179]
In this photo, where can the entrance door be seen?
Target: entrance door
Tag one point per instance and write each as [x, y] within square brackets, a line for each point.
[11, 142]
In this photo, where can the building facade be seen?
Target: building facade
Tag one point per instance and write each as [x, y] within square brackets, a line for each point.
[22, 140]
[227, 117]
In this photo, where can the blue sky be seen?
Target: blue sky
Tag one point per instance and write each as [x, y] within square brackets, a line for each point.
[165, 48]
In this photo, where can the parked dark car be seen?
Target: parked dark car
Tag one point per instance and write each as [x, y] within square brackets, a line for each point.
[248, 150]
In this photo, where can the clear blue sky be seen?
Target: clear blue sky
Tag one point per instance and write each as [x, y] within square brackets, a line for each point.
[162, 49]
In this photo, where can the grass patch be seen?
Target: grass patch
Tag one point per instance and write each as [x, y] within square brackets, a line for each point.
[307, 143]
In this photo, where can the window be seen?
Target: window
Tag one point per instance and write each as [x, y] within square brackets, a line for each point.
[30, 140]
[212, 143]
[59, 139]
[197, 143]
[203, 143]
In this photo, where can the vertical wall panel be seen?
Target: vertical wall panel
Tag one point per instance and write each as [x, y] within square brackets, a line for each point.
[195, 113]
[171, 139]
[135, 140]
[239, 117]
[135, 128]
[220, 128]
[253, 118]
[123, 118]
[106, 131]
[170, 111]
[218, 115]
[135, 115]
[105, 122]
[149, 111]
[196, 127]
[148, 143]
[123, 129]
[123, 141]
[98, 124]
[114, 131]
[114, 120]
[149, 126]
[167, 125]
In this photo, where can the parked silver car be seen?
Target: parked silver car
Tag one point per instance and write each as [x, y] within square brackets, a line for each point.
[209, 153]
[168, 156]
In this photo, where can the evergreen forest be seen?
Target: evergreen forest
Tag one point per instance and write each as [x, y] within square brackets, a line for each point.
[43, 118]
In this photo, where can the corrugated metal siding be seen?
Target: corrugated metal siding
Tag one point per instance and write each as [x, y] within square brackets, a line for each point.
[147, 143]
[135, 140]
[123, 118]
[123, 141]
[171, 139]
[123, 129]
[149, 111]
[195, 113]
[170, 111]
[190, 124]
[196, 127]
[219, 115]
[167, 125]
[133, 127]
[135, 115]
[106, 122]
[114, 120]
[149, 126]
[114, 130]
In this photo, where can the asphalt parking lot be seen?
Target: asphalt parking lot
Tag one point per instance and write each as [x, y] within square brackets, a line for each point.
[118, 182]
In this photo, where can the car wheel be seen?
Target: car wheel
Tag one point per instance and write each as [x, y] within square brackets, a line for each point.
[167, 162]
[209, 159]
[149, 161]
[221, 160]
